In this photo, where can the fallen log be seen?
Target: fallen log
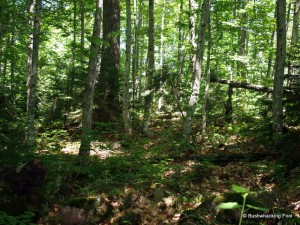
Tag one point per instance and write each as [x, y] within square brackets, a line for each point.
[254, 87]
[224, 159]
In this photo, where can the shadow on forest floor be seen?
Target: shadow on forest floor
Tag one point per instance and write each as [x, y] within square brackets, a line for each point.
[152, 180]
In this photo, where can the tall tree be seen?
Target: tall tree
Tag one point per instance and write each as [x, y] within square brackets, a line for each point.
[150, 69]
[192, 30]
[295, 32]
[295, 29]
[279, 69]
[109, 85]
[135, 52]
[126, 115]
[34, 7]
[82, 35]
[161, 54]
[88, 99]
[207, 86]
[242, 42]
[180, 53]
[198, 71]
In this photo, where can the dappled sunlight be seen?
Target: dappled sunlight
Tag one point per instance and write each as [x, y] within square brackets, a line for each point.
[99, 149]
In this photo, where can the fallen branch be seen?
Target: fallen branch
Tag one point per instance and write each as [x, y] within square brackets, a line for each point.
[254, 87]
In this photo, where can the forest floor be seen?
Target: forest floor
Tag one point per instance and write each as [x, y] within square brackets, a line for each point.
[153, 179]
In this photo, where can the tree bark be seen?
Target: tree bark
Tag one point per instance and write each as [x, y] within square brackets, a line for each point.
[32, 68]
[242, 42]
[198, 72]
[180, 56]
[150, 70]
[108, 105]
[277, 108]
[192, 30]
[207, 86]
[294, 39]
[126, 96]
[161, 56]
[82, 31]
[88, 99]
[295, 29]
[135, 54]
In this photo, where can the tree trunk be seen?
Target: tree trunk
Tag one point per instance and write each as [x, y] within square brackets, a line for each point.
[150, 70]
[271, 52]
[192, 30]
[295, 32]
[2, 22]
[228, 105]
[295, 29]
[242, 42]
[82, 29]
[126, 96]
[180, 57]
[198, 72]
[88, 99]
[277, 109]
[135, 56]
[207, 72]
[108, 105]
[32, 68]
[161, 55]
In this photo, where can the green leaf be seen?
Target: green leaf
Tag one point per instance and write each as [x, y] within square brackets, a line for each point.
[229, 205]
[12, 220]
[257, 208]
[239, 189]
[27, 215]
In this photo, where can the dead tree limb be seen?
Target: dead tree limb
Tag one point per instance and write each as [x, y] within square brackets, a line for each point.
[254, 87]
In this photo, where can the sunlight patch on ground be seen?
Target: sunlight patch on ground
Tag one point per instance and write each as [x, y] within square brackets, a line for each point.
[100, 149]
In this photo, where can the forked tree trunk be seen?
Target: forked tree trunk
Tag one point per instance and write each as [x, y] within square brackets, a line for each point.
[88, 99]
[198, 71]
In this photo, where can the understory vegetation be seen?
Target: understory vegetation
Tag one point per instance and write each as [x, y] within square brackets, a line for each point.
[154, 179]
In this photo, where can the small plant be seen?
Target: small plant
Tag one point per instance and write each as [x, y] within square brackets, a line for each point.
[52, 139]
[23, 219]
[234, 205]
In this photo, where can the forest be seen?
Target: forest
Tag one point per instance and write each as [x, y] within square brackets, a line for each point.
[149, 112]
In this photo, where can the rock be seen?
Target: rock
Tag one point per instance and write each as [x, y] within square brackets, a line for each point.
[83, 211]
[19, 188]
[26, 177]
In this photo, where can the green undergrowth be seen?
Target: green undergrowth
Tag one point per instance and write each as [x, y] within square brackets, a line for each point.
[156, 166]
